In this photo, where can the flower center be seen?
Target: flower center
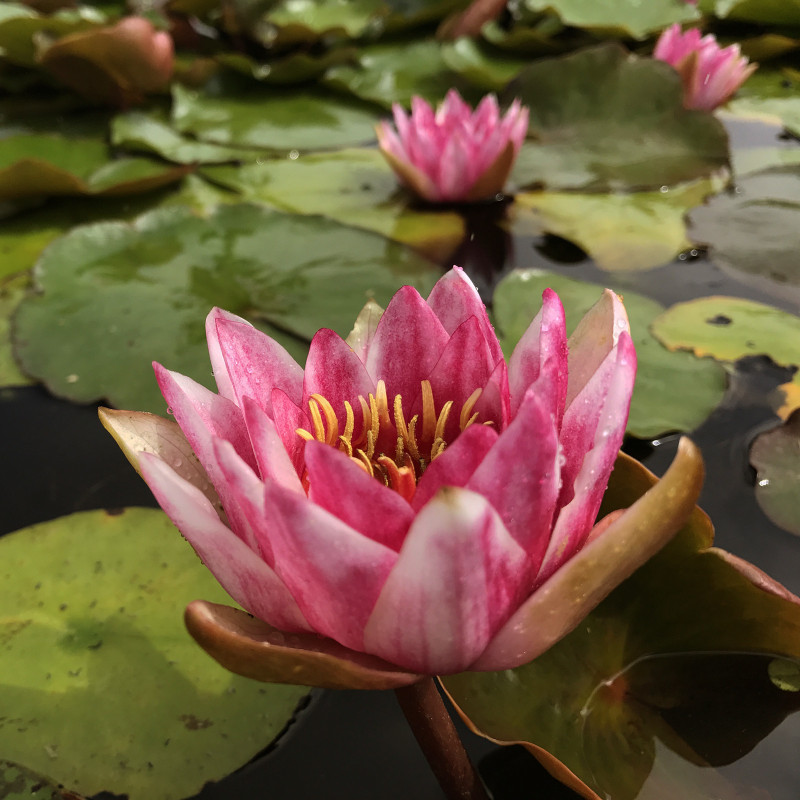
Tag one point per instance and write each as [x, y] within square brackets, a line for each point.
[416, 442]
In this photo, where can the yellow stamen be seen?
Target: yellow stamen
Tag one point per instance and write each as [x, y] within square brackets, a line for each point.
[399, 419]
[331, 423]
[411, 440]
[442, 421]
[365, 462]
[383, 403]
[438, 448]
[428, 412]
[366, 423]
[303, 433]
[466, 420]
[375, 419]
[316, 420]
[350, 422]
[346, 446]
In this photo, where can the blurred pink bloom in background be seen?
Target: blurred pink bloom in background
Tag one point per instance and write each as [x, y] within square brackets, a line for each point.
[454, 154]
[710, 73]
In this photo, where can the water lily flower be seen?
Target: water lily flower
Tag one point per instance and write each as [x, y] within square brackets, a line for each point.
[454, 155]
[408, 500]
[711, 74]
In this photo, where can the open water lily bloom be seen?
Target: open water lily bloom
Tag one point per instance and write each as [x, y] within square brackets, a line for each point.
[410, 493]
[711, 74]
[453, 155]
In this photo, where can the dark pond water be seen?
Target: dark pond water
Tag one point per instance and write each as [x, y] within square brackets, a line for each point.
[58, 460]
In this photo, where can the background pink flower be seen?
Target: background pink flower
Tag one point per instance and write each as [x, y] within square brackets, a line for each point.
[454, 154]
[710, 74]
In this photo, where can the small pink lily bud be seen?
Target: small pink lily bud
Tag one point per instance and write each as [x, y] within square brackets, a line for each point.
[453, 155]
[711, 74]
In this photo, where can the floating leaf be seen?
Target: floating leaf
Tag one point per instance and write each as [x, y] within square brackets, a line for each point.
[769, 94]
[673, 391]
[296, 67]
[92, 624]
[775, 454]
[730, 328]
[353, 186]
[309, 19]
[621, 232]
[273, 119]
[118, 64]
[33, 165]
[145, 288]
[394, 72]
[19, 25]
[766, 12]
[617, 709]
[480, 64]
[137, 130]
[603, 119]
[18, 783]
[755, 232]
[615, 17]
[11, 293]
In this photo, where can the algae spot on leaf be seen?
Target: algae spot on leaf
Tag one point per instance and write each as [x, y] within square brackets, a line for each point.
[79, 641]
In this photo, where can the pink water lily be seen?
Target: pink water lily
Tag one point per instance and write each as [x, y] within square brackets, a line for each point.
[410, 495]
[711, 74]
[453, 154]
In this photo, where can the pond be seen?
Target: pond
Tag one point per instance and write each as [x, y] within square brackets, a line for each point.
[137, 193]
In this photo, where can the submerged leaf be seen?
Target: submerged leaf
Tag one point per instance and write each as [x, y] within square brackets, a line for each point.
[92, 608]
[775, 454]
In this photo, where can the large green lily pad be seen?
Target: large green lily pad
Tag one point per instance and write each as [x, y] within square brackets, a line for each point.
[621, 232]
[625, 17]
[766, 12]
[673, 391]
[12, 291]
[33, 165]
[755, 232]
[272, 119]
[353, 186]
[771, 95]
[480, 64]
[603, 119]
[114, 296]
[775, 454]
[18, 783]
[92, 627]
[673, 671]
[310, 19]
[729, 328]
[389, 73]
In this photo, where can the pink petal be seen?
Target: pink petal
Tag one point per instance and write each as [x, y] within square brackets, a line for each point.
[334, 573]
[520, 477]
[456, 580]
[257, 364]
[218, 366]
[455, 466]
[271, 456]
[246, 578]
[339, 485]
[288, 418]
[576, 519]
[543, 347]
[455, 299]
[336, 372]
[408, 342]
[494, 403]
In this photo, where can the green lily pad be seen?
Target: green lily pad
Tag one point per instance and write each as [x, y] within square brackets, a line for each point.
[272, 119]
[766, 12]
[730, 328]
[389, 73]
[775, 454]
[24, 237]
[354, 186]
[33, 165]
[92, 624]
[755, 232]
[296, 67]
[771, 95]
[19, 25]
[604, 120]
[480, 64]
[138, 130]
[18, 783]
[145, 288]
[11, 293]
[618, 17]
[310, 19]
[673, 391]
[621, 232]
[669, 674]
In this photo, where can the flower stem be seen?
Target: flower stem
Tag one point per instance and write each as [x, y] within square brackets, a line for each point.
[437, 736]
